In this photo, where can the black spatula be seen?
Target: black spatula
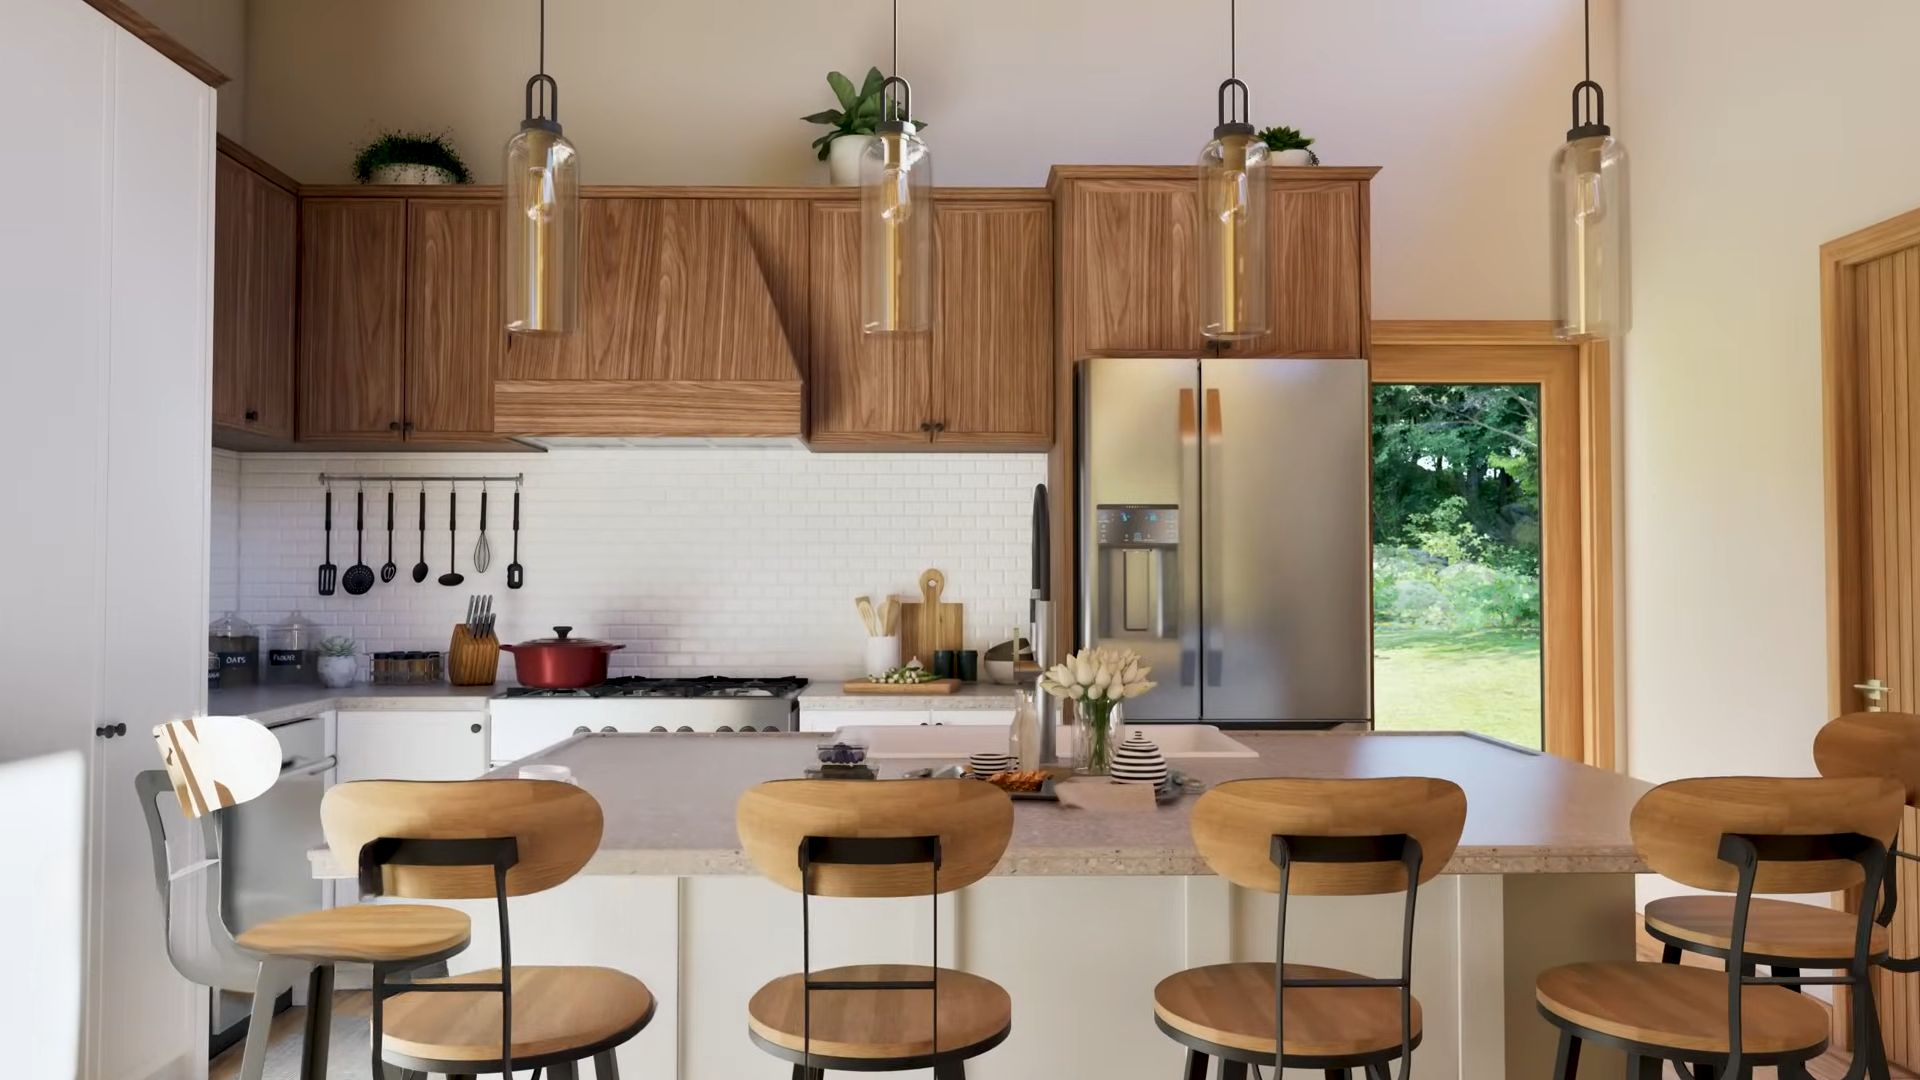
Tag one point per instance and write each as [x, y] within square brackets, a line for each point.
[328, 571]
[516, 575]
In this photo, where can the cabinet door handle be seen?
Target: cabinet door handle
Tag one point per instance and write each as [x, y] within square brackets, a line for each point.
[393, 425]
[407, 427]
[475, 729]
[939, 426]
[252, 415]
[108, 731]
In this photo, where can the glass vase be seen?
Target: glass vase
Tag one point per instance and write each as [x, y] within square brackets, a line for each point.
[1098, 736]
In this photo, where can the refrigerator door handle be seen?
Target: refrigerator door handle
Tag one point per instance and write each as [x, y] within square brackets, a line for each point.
[1189, 569]
[1212, 603]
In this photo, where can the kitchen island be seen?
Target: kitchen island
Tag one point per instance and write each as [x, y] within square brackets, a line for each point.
[1088, 910]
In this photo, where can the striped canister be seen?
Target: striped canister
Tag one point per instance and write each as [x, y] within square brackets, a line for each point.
[1138, 761]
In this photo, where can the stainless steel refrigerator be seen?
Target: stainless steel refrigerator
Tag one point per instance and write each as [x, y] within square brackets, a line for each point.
[1223, 532]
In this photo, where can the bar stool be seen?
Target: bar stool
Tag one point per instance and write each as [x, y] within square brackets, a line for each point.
[213, 764]
[1313, 838]
[876, 838]
[474, 840]
[1741, 835]
[1788, 936]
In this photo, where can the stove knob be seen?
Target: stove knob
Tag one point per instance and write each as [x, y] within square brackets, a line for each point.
[609, 730]
[658, 728]
[723, 727]
[684, 729]
[583, 730]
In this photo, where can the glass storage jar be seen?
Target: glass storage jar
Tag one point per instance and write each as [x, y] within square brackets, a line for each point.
[235, 644]
[293, 652]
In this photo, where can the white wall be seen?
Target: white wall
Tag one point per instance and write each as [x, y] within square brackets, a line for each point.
[1461, 102]
[215, 31]
[1760, 129]
[740, 561]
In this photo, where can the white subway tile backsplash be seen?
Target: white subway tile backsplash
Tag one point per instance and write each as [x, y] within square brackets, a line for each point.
[734, 560]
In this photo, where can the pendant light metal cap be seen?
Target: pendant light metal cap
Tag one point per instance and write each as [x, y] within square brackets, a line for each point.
[1236, 127]
[1587, 126]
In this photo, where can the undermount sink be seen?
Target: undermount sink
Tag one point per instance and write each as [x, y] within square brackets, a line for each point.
[957, 741]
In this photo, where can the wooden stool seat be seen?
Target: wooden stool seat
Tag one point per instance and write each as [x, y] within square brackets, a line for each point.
[1232, 1005]
[363, 933]
[558, 1013]
[1775, 928]
[1684, 1008]
[872, 1025]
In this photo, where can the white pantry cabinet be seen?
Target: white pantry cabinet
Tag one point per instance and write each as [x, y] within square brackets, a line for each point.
[106, 291]
[422, 745]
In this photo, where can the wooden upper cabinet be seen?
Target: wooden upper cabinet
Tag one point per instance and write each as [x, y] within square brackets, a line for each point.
[256, 253]
[982, 379]
[993, 327]
[1128, 241]
[867, 390]
[456, 328]
[353, 313]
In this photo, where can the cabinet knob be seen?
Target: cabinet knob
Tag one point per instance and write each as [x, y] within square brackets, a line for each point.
[393, 425]
[108, 731]
[926, 425]
[253, 414]
[939, 426]
[475, 729]
[407, 427]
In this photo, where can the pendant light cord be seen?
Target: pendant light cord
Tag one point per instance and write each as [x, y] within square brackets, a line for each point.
[543, 37]
[1233, 38]
[1586, 33]
[894, 62]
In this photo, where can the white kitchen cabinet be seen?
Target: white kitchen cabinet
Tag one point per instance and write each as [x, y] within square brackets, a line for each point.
[414, 745]
[835, 719]
[106, 290]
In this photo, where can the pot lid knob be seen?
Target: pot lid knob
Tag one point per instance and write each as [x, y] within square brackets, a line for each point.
[563, 631]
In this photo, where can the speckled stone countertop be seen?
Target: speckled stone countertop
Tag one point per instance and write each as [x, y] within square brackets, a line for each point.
[827, 694]
[669, 802]
[272, 704]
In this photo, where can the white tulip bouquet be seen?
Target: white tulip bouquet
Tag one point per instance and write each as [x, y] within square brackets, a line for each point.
[1096, 680]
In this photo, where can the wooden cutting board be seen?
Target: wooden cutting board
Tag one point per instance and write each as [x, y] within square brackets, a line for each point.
[930, 625]
[868, 686]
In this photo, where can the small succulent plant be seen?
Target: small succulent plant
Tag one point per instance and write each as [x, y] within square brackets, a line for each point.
[337, 646]
[1285, 138]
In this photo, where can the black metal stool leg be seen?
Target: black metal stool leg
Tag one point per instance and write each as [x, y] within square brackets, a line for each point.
[1234, 1070]
[1705, 1072]
[1196, 1065]
[1641, 1067]
[313, 1049]
[1566, 1062]
[605, 1067]
[1339, 1074]
[950, 1070]
[1786, 973]
[801, 1072]
[1670, 954]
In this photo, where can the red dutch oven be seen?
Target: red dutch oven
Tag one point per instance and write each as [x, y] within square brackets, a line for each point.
[561, 662]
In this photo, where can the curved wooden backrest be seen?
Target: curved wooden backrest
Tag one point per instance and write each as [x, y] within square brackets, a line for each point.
[555, 825]
[973, 819]
[1872, 744]
[218, 761]
[1677, 826]
[1234, 825]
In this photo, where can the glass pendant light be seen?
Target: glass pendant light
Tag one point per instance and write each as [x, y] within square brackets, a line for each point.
[540, 241]
[1589, 218]
[1233, 218]
[896, 217]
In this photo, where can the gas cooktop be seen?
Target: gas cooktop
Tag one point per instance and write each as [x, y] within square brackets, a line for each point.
[701, 686]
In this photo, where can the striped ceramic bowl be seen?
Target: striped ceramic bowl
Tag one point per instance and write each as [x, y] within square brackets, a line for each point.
[1138, 761]
[986, 764]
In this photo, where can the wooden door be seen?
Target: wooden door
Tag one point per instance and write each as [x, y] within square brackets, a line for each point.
[234, 207]
[456, 331]
[1870, 315]
[256, 252]
[1318, 277]
[992, 375]
[352, 319]
[868, 390]
[1132, 246]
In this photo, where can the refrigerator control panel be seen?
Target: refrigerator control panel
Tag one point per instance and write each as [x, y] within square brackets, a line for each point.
[1138, 526]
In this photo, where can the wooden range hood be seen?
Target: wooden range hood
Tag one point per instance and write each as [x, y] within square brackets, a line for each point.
[680, 335]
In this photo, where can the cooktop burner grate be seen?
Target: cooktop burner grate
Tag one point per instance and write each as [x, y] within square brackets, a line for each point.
[702, 686]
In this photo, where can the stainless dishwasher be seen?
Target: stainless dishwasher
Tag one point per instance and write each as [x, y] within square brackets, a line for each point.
[264, 844]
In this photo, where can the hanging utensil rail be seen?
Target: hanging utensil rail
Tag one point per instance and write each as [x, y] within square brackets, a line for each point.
[417, 478]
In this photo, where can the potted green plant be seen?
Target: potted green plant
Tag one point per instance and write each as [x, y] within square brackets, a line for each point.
[1287, 146]
[852, 124]
[410, 157]
[337, 664]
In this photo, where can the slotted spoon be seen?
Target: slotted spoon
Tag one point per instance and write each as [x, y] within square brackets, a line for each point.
[359, 577]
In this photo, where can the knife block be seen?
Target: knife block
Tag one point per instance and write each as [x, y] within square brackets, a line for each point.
[472, 661]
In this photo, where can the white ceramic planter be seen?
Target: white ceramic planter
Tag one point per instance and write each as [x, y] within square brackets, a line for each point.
[843, 159]
[338, 671]
[411, 174]
[1296, 156]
